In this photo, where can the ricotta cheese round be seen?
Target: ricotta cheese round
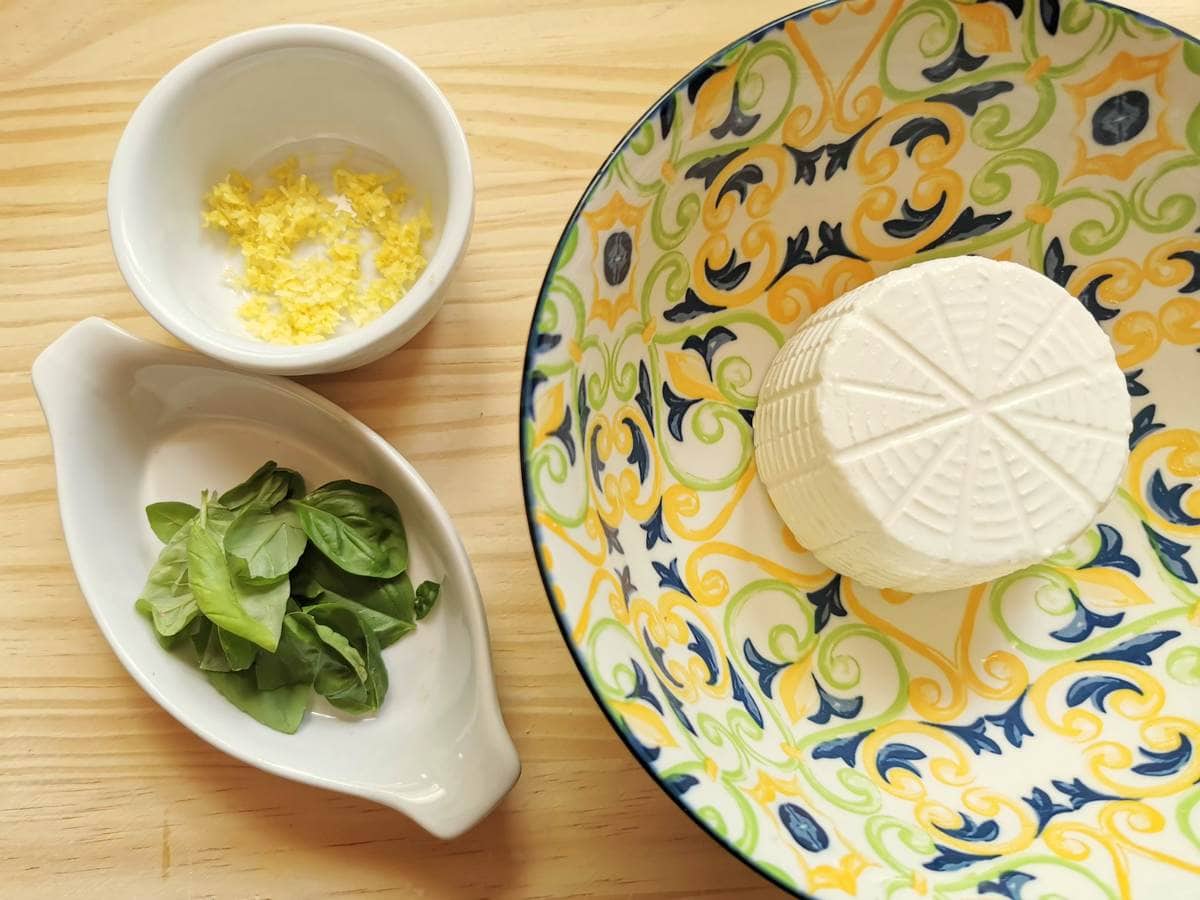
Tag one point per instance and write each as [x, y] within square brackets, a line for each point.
[943, 425]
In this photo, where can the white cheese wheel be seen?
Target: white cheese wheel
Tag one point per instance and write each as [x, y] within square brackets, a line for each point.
[943, 425]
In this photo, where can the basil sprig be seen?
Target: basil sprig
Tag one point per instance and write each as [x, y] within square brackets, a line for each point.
[280, 593]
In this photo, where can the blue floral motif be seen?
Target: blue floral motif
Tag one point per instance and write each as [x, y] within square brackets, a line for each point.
[1077, 796]
[641, 688]
[1012, 722]
[660, 657]
[1097, 688]
[1135, 387]
[644, 396]
[970, 830]
[832, 705]
[639, 453]
[703, 648]
[628, 588]
[803, 828]
[668, 577]
[1168, 762]
[766, 669]
[828, 601]
[536, 380]
[1008, 884]
[654, 528]
[1110, 555]
[715, 339]
[744, 697]
[612, 537]
[974, 736]
[950, 860]
[594, 461]
[1143, 424]
[584, 411]
[544, 341]
[844, 748]
[677, 408]
[1171, 554]
[564, 434]
[677, 707]
[1169, 500]
[1136, 649]
[1084, 622]
[679, 784]
[897, 756]
[646, 754]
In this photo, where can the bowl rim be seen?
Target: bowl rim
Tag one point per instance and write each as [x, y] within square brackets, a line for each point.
[528, 385]
[357, 347]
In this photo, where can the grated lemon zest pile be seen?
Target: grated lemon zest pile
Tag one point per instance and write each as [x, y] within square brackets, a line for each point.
[300, 300]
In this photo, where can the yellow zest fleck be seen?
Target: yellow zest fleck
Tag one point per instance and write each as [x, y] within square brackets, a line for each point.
[710, 768]
[1038, 213]
[300, 299]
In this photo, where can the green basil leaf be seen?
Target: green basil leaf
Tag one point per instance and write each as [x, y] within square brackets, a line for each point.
[357, 689]
[391, 596]
[168, 517]
[199, 635]
[254, 612]
[238, 651]
[269, 543]
[267, 486]
[282, 708]
[357, 526]
[297, 659]
[427, 595]
[167, 596]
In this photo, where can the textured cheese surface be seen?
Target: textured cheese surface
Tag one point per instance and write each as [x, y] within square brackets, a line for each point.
[943, 425]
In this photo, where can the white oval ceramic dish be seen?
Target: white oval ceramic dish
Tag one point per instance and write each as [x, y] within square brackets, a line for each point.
[245, 103]
[133, 422]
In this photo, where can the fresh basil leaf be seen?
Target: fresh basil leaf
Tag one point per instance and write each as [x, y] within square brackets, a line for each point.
[238, 651]
[297, 659]
[391, 596]
[427, 595]
[282, 708]
[199, 635]
[168, 517]
[167, 596]
[295, 482]
[385, 604]
[269, 543]
[355, 688]
[267, 486]
[357, 526]
[252, 611]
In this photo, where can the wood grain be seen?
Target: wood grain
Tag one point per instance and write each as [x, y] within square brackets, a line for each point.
[102, 794]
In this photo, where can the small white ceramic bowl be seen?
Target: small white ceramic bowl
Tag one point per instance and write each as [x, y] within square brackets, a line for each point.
[246, 103]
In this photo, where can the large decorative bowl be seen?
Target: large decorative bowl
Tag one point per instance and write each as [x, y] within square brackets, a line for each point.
[1037, 736]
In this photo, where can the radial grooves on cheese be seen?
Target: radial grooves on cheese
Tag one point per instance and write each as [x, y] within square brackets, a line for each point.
[943, 425]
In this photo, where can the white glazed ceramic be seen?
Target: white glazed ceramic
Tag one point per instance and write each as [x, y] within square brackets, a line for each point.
[133, 422]
[246, 103]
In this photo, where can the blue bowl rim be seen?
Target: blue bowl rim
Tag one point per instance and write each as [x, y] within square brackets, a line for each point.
[527, 371]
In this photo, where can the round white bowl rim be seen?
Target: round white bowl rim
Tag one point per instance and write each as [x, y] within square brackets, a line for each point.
[340, 351]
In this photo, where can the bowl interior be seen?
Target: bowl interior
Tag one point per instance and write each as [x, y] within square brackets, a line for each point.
[845, 740]
[248, 109]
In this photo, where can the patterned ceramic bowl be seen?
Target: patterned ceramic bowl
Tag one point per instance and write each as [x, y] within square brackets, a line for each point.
[1032, 737]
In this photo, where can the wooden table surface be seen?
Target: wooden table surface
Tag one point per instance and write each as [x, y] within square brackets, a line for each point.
[102, 794]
